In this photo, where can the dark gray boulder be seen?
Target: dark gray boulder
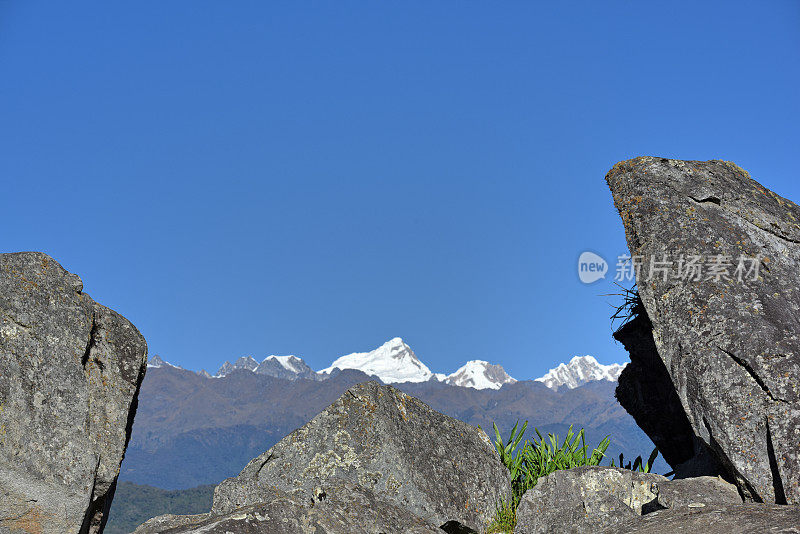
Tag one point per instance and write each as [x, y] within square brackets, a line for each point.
[715, 519]
[730, 348]
[438, 468]
[343, 508]
[70, 371]
[588, 499]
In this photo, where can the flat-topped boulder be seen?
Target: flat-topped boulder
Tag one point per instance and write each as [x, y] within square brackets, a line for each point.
[714, 519]
[588, 499]
[70, 371]
[718, 257]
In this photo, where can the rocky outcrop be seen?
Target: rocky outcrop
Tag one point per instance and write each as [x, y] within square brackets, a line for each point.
[588, 499]
[386, 448]
[726, 333]
[70, 370]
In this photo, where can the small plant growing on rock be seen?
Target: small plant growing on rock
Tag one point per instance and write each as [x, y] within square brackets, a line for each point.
[638, 465]
[508, 449]
[543, 457]
[630, 308]
[505, 518]
[534, 460]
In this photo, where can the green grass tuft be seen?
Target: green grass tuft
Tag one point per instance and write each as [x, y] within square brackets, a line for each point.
[504, 520]
[536, 459]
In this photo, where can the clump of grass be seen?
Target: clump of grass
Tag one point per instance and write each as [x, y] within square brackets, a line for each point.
[630, 308]
[536, 459]
[505, 518]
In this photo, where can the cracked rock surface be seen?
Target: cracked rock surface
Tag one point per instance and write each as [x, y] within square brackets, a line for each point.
[730, 348]
[70, 371]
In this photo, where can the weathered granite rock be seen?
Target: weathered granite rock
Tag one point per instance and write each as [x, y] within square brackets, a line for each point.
[691, 492]
[70, 371]
[394, 445]
[715, 519]
[343, 508]
[587, 499]
[730, 347]
[584, 499]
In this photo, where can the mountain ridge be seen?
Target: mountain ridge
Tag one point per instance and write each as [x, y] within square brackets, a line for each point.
[394, 362]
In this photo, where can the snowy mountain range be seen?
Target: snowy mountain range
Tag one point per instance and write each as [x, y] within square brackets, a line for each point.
[578, 371]
[394, 362]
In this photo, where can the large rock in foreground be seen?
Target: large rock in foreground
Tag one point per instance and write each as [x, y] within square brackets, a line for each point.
[585, 500]
[70, 370]
[438, 468]
[376, 460]
[729, 347]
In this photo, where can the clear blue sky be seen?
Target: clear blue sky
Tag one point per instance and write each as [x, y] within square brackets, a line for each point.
[318, 177]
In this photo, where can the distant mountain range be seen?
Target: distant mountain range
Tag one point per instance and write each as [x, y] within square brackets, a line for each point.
[192, 428]
[395, 363]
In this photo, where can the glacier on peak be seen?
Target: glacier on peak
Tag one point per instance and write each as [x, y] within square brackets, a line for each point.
[480, 374]
[392, 362]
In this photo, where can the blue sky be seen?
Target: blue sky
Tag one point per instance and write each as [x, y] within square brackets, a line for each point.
[318, 177]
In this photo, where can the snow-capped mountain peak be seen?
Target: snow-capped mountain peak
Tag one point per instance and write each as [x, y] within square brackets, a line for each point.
[156, 361]
[578, 371]
[290, 363]
[392, 362]
[479, 374]
[290, 367]
[245, 362]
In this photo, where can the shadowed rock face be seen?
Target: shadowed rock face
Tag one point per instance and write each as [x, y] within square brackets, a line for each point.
[730, 348]
[645, 390]
[70, 370]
